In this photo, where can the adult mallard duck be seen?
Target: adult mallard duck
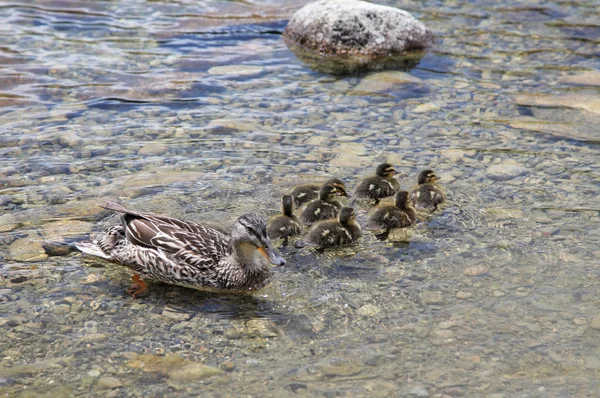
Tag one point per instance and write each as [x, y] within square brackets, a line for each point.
[399, 215]
[381, 185]
[286, 224]
[306, 193]
[324, 208]
[428, 194]
[187, 253]
[331, 233]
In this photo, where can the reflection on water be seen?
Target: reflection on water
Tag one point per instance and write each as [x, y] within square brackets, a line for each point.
[199, 110]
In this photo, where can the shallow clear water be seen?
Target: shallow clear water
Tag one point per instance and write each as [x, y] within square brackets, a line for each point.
[198, 110]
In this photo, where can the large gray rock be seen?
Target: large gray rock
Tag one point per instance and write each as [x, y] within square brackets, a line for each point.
[353, 27]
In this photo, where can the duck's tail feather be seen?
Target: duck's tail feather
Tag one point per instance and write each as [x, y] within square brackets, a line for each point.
[92, 249]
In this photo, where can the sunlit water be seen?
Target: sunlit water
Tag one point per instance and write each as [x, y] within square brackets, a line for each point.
[198, 110]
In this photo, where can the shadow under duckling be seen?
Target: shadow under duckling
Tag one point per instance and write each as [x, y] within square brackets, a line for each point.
[324, 208]
[284, 225]
[334, 233]
[307, 193]
[387, 217]
[428, 194]
[381, 185]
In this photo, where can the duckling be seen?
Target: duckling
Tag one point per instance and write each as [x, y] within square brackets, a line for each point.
[399, 215]
[307, 193]
[381, 185]
[428, 194]
[330, 233]
[186, 253]
[324, 208]
[285, 225]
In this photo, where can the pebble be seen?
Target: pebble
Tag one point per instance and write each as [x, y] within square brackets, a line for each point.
[505, 172]
[108, 383]
[595, 323]
[424, 108]
[177, 368]
[29, 248]
[431, 297]
[153, 149]
[476, 270]
[463, 295]
[368, 310]
[239, 70]
[419, 391]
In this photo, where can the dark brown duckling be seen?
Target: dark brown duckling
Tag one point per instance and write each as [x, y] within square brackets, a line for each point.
[428, 194]
[333, 233]
[381, 185]
[286, 224]
[399, 215]
[306, 193]
[324, 208]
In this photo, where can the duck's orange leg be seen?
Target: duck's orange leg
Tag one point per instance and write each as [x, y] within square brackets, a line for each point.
[138, 286]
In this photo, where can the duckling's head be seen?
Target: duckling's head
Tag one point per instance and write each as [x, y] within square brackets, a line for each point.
[346, 215]
[249, 234]
[427, 176]
[287, 205]
[328, 192]
[385, 170]
[339, 185]
[401, 200]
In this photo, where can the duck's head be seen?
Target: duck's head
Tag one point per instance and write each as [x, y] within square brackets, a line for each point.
[385, 170]
[287, 205]
[249, 233]
[401, 199]
[328, 192]
[346, 215]
[427, 176]
[339, 185]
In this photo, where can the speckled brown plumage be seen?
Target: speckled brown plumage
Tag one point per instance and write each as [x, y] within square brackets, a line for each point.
[399, 215]
[286, 224]
[324, 208]
[187, 253]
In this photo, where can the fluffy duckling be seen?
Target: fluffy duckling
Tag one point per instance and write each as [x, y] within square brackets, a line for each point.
[285, 225]
[399, 215]
[324, 208]
[307, 193]
[381, 185]
[330, 233]
[428, 194]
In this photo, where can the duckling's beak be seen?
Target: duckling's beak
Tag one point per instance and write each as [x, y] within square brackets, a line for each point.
[344, 193]
[271, 255]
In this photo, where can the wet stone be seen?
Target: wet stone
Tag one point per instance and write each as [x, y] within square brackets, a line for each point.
[368, 310]
[418, 391]
[108, 383]
[431, 297]
[505, 172]
[29, 248]
[240, 70]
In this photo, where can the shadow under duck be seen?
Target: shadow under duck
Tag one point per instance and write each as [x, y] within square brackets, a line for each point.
[286, 224]
[186, 253]
[428, 194]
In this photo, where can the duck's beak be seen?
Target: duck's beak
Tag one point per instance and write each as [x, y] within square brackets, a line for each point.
[271, 255]
[344, 193]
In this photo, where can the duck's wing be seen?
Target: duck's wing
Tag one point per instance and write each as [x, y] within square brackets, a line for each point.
[170, 234]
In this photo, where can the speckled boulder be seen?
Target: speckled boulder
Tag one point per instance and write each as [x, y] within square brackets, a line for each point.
[353, 27]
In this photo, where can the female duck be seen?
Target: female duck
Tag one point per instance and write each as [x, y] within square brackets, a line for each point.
[381, 185]
[399, 215]
[307, 193]
[331, 233]
[428, 194]
[187, 253]
[285, 225]
[324, 208]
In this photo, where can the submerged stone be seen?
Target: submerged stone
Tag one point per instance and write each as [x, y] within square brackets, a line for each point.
[351, 30]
